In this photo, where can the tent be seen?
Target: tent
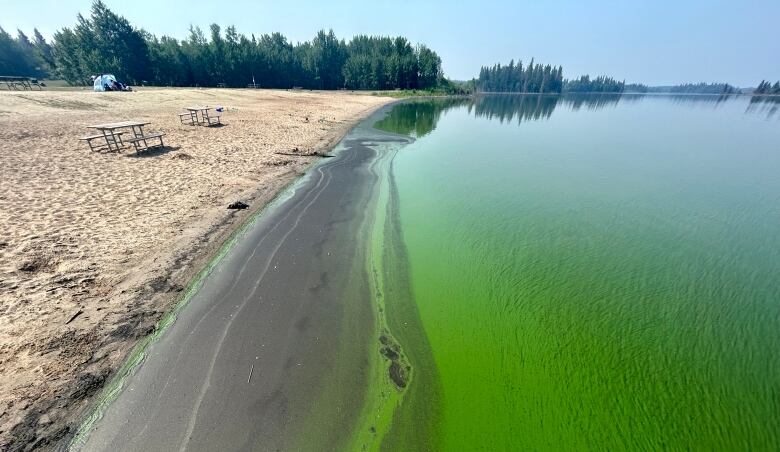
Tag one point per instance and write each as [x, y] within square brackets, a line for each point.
[102, 80]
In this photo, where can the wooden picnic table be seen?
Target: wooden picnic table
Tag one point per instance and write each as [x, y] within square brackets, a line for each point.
[204, 112]
[114, 140]
[13, 82]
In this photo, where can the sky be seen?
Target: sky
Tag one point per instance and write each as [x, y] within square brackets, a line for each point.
[659, 42]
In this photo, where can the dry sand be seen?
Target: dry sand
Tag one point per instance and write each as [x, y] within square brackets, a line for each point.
[95, 247]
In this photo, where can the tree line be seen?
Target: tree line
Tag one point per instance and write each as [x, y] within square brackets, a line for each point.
[635, 88]
[105, 42]
[600, 84]
[698, 88]
[540, 79]
[766, 87]
[23, 56]
[516, 78]
[686, 88]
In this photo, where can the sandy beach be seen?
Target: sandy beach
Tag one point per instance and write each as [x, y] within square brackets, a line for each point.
[96, 246]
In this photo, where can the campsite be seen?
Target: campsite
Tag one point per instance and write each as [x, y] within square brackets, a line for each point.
[107, 82]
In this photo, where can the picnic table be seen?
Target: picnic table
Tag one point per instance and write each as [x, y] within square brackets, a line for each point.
[204, 113]
[25, 83]
[113, 138]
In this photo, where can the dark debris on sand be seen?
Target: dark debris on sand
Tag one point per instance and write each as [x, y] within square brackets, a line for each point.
[238, 205]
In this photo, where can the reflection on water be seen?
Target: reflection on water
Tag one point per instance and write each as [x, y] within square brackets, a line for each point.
[418, 117]
[507, 107]
[704, 100]
[764, 105]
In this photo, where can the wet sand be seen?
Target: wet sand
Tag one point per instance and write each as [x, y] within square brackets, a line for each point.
[96, 247]
[285, 317]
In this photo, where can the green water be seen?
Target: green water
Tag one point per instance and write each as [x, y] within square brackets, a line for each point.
[590, 273]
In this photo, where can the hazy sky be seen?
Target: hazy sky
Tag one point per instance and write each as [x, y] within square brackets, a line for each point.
[655, 42]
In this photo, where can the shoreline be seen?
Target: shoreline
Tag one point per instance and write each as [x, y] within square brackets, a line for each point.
[310, 338]
[203, 263]
[175, 270]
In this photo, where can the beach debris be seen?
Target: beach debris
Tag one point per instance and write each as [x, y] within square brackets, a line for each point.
[307, 154]
[238, 205]
[73, 317]
[280, 162]
[251, 369]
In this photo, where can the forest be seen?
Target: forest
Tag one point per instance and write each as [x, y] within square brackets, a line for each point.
[105, 42]
[516, 78]
[540, 79]
[600, 84]
[696, 88]
[766, 87]
[23, 56]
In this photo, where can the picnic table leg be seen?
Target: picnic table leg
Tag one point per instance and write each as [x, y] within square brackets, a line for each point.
[193, 117]
[116, 144]
[135, 135]
[108, 139]
[113, 140]
[141, 132]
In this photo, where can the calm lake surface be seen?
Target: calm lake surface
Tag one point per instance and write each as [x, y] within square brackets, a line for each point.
[590, 273]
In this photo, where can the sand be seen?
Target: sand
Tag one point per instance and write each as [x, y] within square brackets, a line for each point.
[95, 247]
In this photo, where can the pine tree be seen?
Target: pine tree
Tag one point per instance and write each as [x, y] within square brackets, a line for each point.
[43, 51]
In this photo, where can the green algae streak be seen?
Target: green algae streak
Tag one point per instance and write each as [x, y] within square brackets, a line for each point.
[583, 273]
[393, 417]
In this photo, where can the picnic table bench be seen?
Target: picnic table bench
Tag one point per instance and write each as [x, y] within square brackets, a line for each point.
[143, 139]
[96, 136]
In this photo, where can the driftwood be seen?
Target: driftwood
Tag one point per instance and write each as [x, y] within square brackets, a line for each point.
[308, 154]
[73, 317]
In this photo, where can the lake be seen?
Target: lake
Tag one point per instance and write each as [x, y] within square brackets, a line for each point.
[596, 272]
